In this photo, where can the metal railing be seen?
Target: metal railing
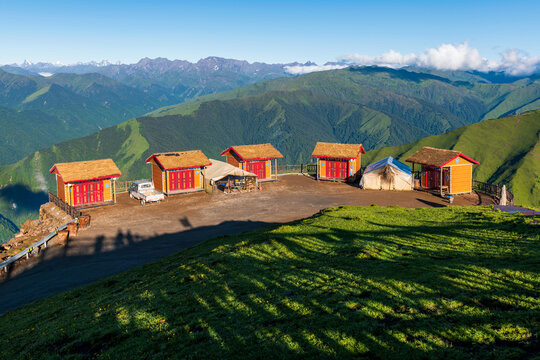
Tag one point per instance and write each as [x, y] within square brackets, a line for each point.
[492, 190]
[68, 209]
[43, 241]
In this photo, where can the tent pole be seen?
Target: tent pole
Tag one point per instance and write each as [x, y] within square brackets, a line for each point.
[413, 174]
[440, 183]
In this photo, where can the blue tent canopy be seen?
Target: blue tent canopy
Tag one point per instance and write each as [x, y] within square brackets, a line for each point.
[388, 161]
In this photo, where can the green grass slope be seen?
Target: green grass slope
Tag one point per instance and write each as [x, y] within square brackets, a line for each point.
[7, 229]
[36, 112]
[421, 98]
[17, 141]
[391, 283]
[507, 148]
[293, 121]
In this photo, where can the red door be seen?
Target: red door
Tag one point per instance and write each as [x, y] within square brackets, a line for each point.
[261, 171]
[336, 169]
[181, 180]
[432, 178]
[88, 192]
[187, 179]
[173, 183]
[258, 168]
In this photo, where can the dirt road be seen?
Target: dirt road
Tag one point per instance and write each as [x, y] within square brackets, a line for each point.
[127, 234]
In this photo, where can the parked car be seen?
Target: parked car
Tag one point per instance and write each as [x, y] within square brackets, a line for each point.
[144, 191]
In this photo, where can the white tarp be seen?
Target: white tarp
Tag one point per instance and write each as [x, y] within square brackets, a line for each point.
[387, 174]
[220, 169]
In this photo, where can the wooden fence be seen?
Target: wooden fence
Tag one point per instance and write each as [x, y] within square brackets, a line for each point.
[492, 190]
[68, 209]
[310, 169]
[290, 169]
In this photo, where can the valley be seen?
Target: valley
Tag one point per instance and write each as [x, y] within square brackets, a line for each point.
[269, 180]
[391, 112]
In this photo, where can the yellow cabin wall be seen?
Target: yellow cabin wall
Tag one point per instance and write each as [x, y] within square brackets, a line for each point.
[351, 167]
[67, 197]
[165, 181]
[268, 169]
[197, 178]
[201, 177]
[67, 193]
[107, 190]
[322, 168]
[70, 195]
[461, 179]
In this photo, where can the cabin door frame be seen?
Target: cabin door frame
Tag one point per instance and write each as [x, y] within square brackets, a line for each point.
[88, 192]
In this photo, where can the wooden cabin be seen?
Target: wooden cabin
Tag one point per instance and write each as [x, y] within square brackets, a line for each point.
[86, 183]
[256, 159]
[338, 162]
[178, 172]
[445, 171]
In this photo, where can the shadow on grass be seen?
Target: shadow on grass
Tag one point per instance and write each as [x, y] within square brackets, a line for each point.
[316, 288]
[430, 203]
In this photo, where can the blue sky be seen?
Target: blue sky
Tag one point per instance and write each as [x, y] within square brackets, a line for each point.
[274, 31]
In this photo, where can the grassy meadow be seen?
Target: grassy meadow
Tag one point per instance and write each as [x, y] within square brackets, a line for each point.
[374, 282]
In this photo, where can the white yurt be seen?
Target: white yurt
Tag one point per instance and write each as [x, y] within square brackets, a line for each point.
[387, 174]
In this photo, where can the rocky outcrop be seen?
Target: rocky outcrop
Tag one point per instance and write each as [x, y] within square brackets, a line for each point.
[50, 217]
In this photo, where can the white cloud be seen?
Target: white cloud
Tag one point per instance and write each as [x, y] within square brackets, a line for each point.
[45, 74]
[514, 64]
[444, 57]
[304, 69]
[452, 57]
[391, 59]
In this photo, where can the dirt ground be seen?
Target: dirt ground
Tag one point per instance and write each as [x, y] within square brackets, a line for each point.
[127, 234]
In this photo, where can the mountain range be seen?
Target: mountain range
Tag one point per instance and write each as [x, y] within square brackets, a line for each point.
[73, 101]
[170, 81]
[38, 111]
[370, 105]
